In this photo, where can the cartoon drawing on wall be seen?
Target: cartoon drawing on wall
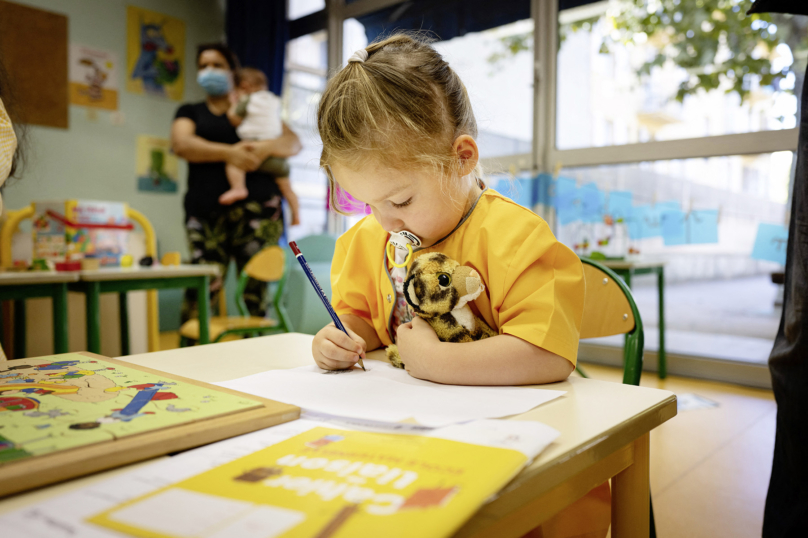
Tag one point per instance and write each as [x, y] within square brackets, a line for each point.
[93, 77]
[155, 53]
[156, 166]
[50, 405]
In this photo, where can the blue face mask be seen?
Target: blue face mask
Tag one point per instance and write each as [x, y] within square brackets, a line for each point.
[215, 81]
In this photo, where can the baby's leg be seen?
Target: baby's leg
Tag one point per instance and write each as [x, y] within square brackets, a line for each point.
[285, 187]
[238, 185]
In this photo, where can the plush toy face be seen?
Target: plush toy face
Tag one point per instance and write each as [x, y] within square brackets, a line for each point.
[437, 284]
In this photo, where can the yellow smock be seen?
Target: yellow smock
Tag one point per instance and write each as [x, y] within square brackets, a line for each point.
[534, 285]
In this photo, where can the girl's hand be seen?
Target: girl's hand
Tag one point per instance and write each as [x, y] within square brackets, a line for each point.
[417, 345]
[332, 349]
[242, 155]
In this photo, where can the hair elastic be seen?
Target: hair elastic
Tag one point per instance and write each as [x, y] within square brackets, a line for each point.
[359, 56]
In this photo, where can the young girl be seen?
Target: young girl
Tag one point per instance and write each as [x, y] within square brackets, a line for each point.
[398, 135]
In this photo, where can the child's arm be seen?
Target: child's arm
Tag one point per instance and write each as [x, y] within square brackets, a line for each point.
[237, 111]
[291, 198]
[333, 350]
[499, 360]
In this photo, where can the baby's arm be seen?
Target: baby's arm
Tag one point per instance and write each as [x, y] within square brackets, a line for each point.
[499, 360]
[333, 350]
[237, 111]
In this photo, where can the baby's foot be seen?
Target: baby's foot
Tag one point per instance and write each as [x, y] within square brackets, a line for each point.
[233, 195]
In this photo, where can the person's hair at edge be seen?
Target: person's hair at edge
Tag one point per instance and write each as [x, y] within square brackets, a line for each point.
[224, 50]
[253, 76]
[403, 91]
[10, 102]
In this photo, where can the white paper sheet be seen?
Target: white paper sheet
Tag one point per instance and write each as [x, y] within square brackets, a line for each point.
[63, 516]
[389, 394]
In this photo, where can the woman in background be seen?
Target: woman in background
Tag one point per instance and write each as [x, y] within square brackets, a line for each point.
[202, 135]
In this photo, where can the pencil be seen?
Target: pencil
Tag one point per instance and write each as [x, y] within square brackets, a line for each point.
[319, 289]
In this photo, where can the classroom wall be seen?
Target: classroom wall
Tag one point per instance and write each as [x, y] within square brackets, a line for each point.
[95, 157]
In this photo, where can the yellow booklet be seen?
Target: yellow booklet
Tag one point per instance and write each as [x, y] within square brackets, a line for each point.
[327, 483]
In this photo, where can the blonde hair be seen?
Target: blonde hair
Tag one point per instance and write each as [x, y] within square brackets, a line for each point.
[403, 106]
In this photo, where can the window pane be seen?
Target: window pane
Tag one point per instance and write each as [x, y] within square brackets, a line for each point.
[671, 69]
[744, 190]
[301, 8]
[504, 111]
[306, 60]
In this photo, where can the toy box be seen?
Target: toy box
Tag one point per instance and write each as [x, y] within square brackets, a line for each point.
[69, 230]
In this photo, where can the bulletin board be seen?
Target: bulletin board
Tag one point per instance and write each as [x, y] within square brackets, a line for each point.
[77, 413]
[33, 45]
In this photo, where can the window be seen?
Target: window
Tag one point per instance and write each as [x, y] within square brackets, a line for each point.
[661, 72]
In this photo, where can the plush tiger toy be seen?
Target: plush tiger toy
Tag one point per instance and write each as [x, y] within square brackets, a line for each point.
[438, 289]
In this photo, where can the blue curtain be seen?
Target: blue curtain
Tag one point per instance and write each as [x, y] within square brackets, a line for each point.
[257, 31]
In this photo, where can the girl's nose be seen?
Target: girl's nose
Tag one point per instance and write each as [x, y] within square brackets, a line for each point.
[390, 224]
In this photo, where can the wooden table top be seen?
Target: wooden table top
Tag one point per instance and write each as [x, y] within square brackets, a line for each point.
[142, 273]
[595, 418]
[13, 278]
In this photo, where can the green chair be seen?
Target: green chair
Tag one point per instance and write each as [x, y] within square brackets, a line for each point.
[268, 266]
[609, 309]
[305, 311]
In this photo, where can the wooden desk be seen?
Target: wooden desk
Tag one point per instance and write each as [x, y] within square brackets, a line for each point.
[18, 286]
[121, 280]
[628, 269]
[604, 433]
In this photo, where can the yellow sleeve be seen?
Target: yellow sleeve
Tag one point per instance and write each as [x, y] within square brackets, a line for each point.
[350, 284]
[544, 295]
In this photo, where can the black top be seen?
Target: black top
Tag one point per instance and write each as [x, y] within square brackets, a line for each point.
[207, 181]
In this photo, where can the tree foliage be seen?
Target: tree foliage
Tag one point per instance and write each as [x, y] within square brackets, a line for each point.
[714, 41]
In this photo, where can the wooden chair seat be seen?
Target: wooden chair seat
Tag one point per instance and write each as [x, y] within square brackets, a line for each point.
[220, 325]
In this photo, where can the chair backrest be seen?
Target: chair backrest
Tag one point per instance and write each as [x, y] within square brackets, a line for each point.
[306, 312]
[268, 265]
[609, 309]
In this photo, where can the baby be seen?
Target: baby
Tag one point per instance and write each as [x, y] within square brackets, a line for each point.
[257, 116]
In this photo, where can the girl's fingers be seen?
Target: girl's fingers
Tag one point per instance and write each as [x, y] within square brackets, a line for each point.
[346, 342]
[329, 364]
[332, 351]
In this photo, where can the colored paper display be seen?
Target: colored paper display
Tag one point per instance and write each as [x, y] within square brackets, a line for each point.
[619, 205]
[703, 226]
[568, 203]
[93, 77]
[156, 165]
[155, 53]
[593, 203]
[327, 482]
[673, 227]
[771, 242]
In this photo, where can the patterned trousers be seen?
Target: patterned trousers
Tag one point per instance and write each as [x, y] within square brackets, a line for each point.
[235, 232]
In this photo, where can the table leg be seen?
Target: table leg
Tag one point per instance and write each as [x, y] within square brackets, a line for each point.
[203, 305]
[123, 308]
[662, 361]
[60, 318]
[19, 329]
[631, 495]
[93, 295]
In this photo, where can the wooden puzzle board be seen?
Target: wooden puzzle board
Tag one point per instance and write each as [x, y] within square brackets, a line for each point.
[68, 415]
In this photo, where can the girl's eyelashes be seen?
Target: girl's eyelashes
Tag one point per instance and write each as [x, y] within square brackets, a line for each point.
[402, 204]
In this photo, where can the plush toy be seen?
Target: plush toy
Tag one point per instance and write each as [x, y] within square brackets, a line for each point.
[438, 289]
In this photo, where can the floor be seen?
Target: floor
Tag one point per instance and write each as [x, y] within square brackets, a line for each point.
[710, 467]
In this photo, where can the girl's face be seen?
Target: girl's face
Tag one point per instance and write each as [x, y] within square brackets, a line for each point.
[413, 201]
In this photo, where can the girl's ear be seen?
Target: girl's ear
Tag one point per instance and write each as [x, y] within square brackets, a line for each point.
[467, 153]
